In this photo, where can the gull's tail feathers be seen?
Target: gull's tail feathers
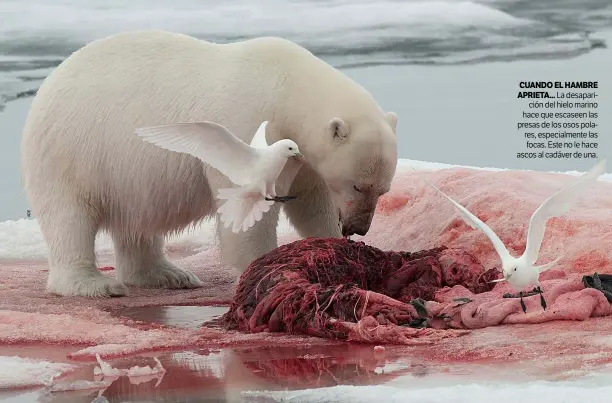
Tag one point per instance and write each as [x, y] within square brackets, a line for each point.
[242, 208]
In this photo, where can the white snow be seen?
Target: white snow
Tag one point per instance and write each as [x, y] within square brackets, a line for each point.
[597, 391]
[17, 372]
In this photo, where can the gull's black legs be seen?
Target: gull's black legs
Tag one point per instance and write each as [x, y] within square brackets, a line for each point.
[537, 290]
[542, 301]
[519, 295]
[523, 306]
[281, 199]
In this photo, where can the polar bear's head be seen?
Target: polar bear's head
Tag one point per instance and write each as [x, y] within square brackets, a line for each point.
[357, 160]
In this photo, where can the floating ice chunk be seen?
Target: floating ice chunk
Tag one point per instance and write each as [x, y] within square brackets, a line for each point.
[17, 372]
[137, 380]
[106, 370]
[145, 371]
[79, 385]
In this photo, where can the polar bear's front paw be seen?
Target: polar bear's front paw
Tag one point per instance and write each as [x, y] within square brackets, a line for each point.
[89, 284]
[165, 276]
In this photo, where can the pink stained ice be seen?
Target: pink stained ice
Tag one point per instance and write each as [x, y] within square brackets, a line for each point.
[410, 217]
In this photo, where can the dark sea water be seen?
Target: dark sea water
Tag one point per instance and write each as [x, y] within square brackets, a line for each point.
[36, 35]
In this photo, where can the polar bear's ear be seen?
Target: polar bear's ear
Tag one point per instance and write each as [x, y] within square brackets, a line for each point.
[391, 119]
[338, 128]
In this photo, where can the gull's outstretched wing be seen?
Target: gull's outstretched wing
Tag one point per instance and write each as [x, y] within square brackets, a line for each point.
[476, 223]
[259, 139]
[556, 205]
[544, 267]
[210, 142]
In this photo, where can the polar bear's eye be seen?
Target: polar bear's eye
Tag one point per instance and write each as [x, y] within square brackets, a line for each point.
[357, 188]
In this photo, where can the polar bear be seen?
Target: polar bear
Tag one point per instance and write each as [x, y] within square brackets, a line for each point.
[84, 170]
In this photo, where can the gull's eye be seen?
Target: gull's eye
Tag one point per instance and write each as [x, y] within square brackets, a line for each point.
[290, 148]
[515, 269]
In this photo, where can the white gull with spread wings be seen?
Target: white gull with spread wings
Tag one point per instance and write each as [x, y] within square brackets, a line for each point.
[253, 168]
[521, 272]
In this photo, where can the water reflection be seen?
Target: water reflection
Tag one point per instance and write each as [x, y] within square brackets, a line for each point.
[221, 375]
[191, 317]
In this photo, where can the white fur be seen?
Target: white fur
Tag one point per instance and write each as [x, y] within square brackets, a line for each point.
[85, 171]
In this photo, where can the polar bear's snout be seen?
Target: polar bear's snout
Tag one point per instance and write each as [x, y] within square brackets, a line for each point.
[358, 221]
